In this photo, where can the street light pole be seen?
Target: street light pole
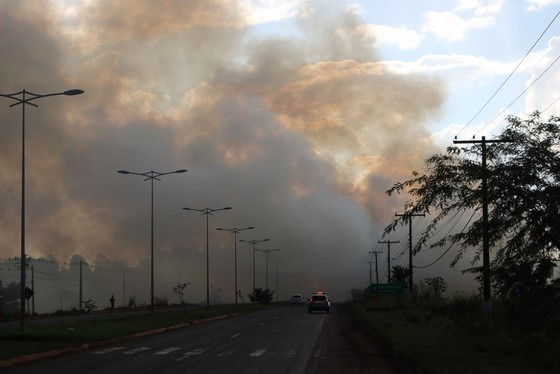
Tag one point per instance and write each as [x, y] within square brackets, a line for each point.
[253, 242]
[267, 251]
[25, 97]
[235, 231]
[206, 212]
[151, 176]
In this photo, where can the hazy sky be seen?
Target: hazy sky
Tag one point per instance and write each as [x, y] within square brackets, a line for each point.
[298, 114]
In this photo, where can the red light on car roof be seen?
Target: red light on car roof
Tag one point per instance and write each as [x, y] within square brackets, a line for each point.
[320, 292]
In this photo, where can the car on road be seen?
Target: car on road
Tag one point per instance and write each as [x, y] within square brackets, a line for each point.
[319, 301]
[297, 298]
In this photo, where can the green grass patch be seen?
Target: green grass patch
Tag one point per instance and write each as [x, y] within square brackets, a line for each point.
[38, 339]
[456, 336]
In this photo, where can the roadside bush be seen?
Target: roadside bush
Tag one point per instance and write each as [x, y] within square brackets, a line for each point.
[261, 296]
[132, 302]
[161, 301]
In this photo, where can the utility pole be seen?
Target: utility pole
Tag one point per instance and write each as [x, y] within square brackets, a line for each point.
[376, 270]
[408, 217]
[80, 285]
[370, 262]
[388, 242]
[485, 236]
[124, 288]
[32, 290]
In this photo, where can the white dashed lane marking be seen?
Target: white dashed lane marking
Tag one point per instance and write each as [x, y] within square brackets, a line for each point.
[196, 352]
[258, 353]
[167, 351]
[108, 350]
[137, 350]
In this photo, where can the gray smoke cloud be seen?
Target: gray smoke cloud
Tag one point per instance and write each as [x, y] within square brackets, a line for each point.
[300, 134]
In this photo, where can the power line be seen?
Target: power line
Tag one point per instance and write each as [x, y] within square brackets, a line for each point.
[509, 76]
[551, 104]
[451, 245]
[521, 94]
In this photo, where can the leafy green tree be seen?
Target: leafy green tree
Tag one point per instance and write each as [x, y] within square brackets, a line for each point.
[523, 193]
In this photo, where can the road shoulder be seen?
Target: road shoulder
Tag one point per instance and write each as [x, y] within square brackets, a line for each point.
[348, 346]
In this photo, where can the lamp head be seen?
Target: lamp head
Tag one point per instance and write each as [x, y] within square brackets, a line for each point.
[73, 92]
[181, 171]
[123, 172]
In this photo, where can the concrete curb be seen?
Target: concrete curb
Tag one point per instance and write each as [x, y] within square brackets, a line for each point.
[82, 347]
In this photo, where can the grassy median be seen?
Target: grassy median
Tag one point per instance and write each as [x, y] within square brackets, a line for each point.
[38, 339]
[456, 336]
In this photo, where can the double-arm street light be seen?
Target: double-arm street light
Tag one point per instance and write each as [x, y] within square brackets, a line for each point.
[267, 251]
[206, 212]
[25, 97]
[253, 242]
[235, 231]
[151, 176]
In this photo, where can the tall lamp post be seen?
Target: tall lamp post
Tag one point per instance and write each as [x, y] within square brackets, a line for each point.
[151, 176]
[267, 251]
[25, 97]
[235, 231]
[253, 242]
[206, 212]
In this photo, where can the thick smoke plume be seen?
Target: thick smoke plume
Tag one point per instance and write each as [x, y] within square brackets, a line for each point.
[301, 132]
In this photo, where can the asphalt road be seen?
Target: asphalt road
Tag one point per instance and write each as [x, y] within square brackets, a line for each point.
[278, 340]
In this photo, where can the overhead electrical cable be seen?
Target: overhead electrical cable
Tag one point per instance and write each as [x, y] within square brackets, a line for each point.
[521, 94]
[509, 76]
[450, 246]
[551, 104]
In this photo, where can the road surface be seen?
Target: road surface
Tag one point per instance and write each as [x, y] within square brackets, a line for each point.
[278, 340]
[284, 339]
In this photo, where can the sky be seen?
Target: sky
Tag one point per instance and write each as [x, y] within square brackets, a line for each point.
[299, 114]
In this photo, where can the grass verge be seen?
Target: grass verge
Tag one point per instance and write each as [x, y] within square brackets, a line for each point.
[457, 337]
[38, 339]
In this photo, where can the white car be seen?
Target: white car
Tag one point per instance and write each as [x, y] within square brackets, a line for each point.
[297, 298]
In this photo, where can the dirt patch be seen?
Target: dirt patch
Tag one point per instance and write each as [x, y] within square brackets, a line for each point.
[348, 346]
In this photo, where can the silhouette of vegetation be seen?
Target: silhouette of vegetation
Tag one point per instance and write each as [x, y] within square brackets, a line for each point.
[261, 296]
[436, 286]
[89, 305]
[161, 301]
[216, 294]
[132, 302]
[400, 274]
[523, 194]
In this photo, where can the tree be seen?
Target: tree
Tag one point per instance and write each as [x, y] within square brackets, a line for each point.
[216, 293]
[400, 274]
[179, 291]
[261, 296]
[436, 286]
[523, 189]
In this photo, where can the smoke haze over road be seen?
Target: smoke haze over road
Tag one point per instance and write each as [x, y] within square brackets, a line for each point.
[300, 132]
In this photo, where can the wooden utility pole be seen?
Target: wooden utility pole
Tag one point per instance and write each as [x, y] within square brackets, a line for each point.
[376, 269]
[80, 293]
[33, 291]
[388, 242]
[369, 262]
[408, 216]
[485, 237]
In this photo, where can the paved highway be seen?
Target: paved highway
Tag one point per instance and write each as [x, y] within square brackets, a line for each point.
[279, 340]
